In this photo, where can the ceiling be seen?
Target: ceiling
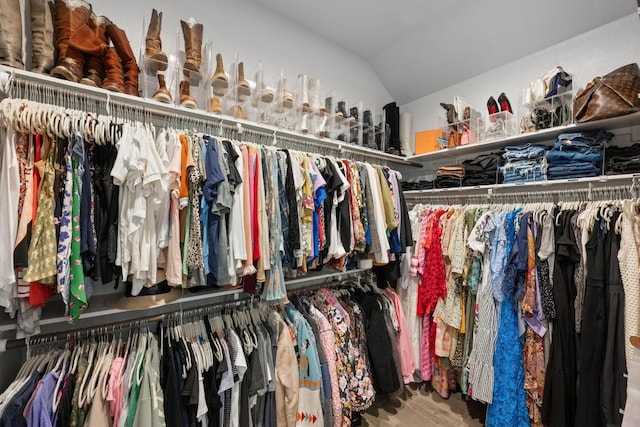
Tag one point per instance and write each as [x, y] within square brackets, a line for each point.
[417, 47]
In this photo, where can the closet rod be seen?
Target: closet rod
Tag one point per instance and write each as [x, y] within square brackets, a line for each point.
[13, 344]
[164, 111]
[579, 195]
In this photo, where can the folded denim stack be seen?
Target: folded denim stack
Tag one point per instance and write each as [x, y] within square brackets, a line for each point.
[483, 170]
[416, 185]
[524, 163]
[621, 160]
[577, 155]
[449, 176]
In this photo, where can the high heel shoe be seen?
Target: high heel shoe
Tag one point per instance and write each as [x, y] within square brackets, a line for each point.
[492, 107]
[505, 105]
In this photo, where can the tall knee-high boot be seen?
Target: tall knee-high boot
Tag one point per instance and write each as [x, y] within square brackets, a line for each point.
[42, 55]
[11, 34]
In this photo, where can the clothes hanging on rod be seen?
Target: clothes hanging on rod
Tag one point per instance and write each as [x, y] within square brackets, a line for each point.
[131, 202]
[527, 305]
[318, 360]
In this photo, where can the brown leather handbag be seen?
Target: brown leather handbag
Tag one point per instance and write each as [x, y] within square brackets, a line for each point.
[615, 94]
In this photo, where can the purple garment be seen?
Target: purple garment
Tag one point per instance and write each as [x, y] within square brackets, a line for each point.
[41, 409]
[536, 322]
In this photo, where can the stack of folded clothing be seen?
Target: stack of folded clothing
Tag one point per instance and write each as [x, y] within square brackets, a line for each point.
[449, 176]
[577, 155]
[416, 185]
[524, 163]
[483, 170]
[621, 160]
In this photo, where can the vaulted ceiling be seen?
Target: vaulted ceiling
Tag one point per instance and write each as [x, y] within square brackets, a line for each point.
[417, 47]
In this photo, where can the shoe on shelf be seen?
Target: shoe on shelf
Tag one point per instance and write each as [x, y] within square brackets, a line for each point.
[162, 94]
[314, 95]
[11, 33]
[304, 91]
[94, 65]
[113, 76]
[341, 110]
[73, 39]
[219, 81]
[244, 90]
[129, 64]
[267, 95]
[284, 96]
[505, 105]
[492, 107]
[452, 116]
[353, 115]
[304, 126]
[322, 124]
[239, 114]
[186, 100]
[153, 43]
[192, 47]
[214, 106]
[42, 50]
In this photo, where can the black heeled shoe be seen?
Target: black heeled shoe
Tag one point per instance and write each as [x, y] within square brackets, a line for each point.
[505, 105]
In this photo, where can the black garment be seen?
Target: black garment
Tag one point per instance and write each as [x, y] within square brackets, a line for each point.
[416, 185]
[293, 237]
[66, 401]
[392, 119]
[559, 404]
[234, 176]
[330, 176]
[591, 350]
[482, 170]
[169, 384]
[620, 160]
[344, 215]
[406, 236]
[448, 181]
[383, 368]
[614, 375]
[106, 212]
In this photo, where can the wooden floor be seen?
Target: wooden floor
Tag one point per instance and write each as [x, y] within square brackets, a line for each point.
[420, 406]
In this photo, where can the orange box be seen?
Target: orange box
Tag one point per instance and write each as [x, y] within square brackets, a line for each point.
[427, 141]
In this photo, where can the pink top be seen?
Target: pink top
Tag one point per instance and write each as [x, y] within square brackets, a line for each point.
[405, 350]
[116, 384]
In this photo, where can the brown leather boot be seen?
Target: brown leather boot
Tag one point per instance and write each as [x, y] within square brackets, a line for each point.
[114, 78]
[153, 44]
[11, 34]
[219, 81]
[42, 54]
[94, 66]
[192, 46]
[244, 90]
[72, 17]
[162, 94]
[240, 114]
[186, 100]
[214, 107]
[129, 64]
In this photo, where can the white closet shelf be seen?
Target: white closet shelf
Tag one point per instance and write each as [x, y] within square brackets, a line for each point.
[539, 186]
[172, 111]
[99, 313]
[530, 137]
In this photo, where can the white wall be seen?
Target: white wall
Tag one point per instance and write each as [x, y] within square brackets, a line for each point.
[594, 53]
[255, 34]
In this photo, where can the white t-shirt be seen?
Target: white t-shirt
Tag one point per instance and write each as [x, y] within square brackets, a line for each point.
[10, 188]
